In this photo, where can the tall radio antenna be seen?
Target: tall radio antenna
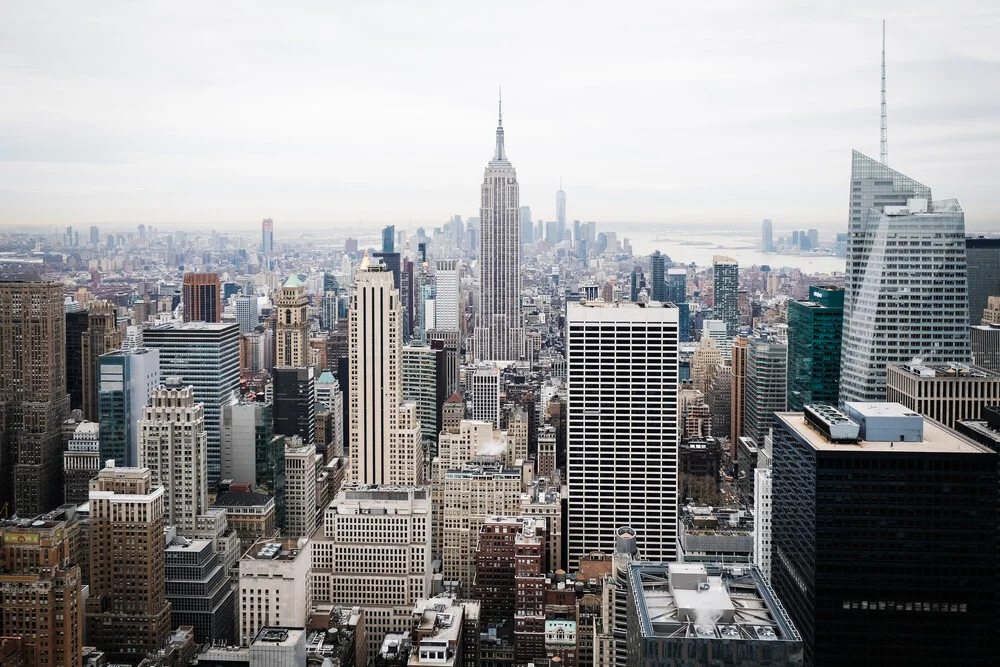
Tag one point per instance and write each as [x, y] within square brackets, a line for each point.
[885, 139]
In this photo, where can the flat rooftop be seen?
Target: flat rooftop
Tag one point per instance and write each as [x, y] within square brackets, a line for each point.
[269, 636]
[273, 549]
[938, 438]
[950, 371]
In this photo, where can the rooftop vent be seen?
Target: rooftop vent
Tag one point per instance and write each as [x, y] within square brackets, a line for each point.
[832, 423]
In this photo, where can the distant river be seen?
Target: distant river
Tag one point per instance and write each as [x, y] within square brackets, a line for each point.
[686, 247]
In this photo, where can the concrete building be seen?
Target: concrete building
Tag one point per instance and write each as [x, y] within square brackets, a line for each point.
[102, 335]
[697, 614]
[447, 312]
[738, 394]
[275, 586]
[446, 632]
[713, 535]
[40, 592]
[986, 346]
[499, 334]
[81, 462]
[300, 488]
[202, 297]
[486, 383]
[252, 515]
[622, 442]
[279, 647]
[126, 380]
[201, 593]
[207, 357]
[879, 513]
[374, 551]
[292, 325]
[33, 398]
[246, 313]
[127, 611]
[385, 433]
[896, 227]
[762, 520]
[705, 363]
[946, 393]
[172, 445]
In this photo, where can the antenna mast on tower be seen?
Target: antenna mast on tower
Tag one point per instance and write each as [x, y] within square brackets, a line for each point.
[885, 139]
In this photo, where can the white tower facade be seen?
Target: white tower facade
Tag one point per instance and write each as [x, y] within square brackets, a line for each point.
[446, 283]
[622, 438]
[499, 335]
[173, 445]
[385, 433]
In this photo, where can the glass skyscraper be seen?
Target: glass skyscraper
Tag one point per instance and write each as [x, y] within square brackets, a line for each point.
[905, 293]
[727, 285]
[656, 277]
[814, 331]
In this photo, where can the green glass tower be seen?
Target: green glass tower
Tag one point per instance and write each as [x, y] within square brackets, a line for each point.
[814, 333]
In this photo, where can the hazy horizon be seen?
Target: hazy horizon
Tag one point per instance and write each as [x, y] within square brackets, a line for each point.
[322, 116]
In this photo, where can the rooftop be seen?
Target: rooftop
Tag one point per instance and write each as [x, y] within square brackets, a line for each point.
[273, 549]
[955, 371]
[690, 600]
[293, 281]
[937, 438]
[279, 636]
[242, 499]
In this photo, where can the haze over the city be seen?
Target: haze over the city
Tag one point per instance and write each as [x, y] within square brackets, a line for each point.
[219, 114]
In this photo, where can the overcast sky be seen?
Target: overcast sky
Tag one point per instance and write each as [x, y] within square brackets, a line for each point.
[337, 112]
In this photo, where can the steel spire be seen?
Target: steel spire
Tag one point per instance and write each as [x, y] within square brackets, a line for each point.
[885, 140]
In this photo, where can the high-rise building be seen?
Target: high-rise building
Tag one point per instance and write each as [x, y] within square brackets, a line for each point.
[126, 380]
[127, 612]
[727, 284]
[207, 357]
[982, 256]
[33, 398]
[738, 394]
[202, 297]
[527, 227]
[560, 214]
[76, 325]
[622, 438]
[294, 391]
[81, 462]
[172, 445]
[705, 363]
[389, 238]
[374, 551]
[762, 520]
[499, 334]
[425, 385]
[95, 236]
[657, 264]
[946, 393]
[894, 561]
[766, 383]
[986, 346]
[251, 452]
[275, 586]
[814, 332]
[447, 313]
[384, 431]
[292, 326]
[896, 230]
[267, 236]
[102, 335]
[201, 592]
[486, 395]
[246, 312]
[767, 236]
[40, 591]
[677, 286]
[300, 488]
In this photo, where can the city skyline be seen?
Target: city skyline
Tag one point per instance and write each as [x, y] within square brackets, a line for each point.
[170, 136]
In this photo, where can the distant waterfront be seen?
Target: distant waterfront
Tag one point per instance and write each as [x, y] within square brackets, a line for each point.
[699, 247]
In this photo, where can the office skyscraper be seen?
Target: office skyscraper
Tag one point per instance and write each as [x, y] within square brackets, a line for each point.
[295, 403]
[33, 398]
[172, 445]
[267, 236]
[657, 277]
[896, 230]
[385, 433]
[677, 285]
[499, 335]
[246, 312]
[202, 297]
[389, 238]
[738, 392]
[127, 378]
[814, 332]
[884, 537]
[300, 488]
[527, 227]
[727, 285]
[292, 330]
[447, 314]
[251, 452]
[207, 357]
[127, 611]
[425, 384]
[767, 237]
[76, 325]
[986, 346]
[622, 438]
[983, 260]
[102, 335]
[766, 383]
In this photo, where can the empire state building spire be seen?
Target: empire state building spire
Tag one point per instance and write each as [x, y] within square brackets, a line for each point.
[500, 157]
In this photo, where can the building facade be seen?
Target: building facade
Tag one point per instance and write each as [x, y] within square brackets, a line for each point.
[726, 296]
[815, 327]
[766, 382]
[126, 380]
[202, 297]
[947, 393]
[292, 325]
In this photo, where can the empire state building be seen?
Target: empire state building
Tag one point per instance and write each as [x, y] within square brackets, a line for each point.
[499, 335]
